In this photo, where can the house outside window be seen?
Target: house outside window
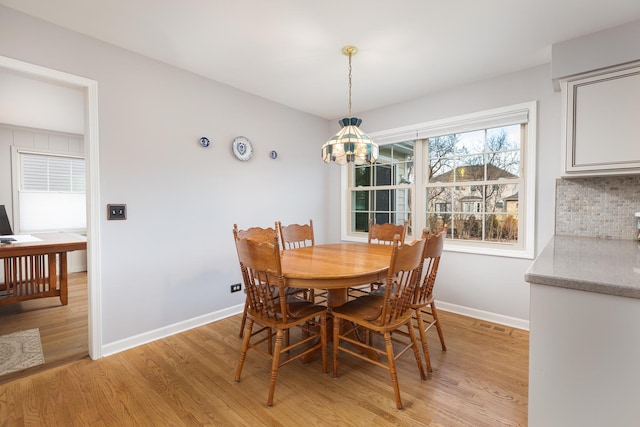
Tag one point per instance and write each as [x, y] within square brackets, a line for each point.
[473, 174]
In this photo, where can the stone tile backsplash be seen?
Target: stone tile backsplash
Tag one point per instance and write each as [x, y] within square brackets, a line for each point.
[598, 207]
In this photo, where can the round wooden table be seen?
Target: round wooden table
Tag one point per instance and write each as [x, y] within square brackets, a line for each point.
[335, 267]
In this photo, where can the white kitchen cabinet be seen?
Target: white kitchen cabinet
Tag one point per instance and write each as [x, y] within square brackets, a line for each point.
[584, 324]
[601, 123]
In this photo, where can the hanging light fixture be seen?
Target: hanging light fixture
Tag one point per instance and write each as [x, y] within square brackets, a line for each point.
[350, 144]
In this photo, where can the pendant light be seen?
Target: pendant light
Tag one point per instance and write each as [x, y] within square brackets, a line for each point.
[350, 144]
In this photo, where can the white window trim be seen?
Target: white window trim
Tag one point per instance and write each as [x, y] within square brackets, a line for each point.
[524, 112]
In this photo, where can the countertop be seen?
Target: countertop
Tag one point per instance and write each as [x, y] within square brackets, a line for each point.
[606, 266]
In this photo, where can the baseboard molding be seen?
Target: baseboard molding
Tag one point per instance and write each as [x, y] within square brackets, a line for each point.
[136, 340]
[484, 315]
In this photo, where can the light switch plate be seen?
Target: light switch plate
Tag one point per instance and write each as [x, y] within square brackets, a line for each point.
[117, 211]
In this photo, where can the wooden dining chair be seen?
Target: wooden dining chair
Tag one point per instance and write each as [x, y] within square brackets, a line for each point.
[270, 309]
[258, 234]
[383, 234]
[382, 315]
[294, 236]
[380, 234]
[424, 306]
[262, 235]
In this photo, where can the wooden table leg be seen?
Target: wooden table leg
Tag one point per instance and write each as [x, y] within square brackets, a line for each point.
[64, 278]
[337, 297]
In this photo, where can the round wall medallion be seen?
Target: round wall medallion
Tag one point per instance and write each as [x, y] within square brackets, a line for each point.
[204, 141]
[273, 154]
[242, 148]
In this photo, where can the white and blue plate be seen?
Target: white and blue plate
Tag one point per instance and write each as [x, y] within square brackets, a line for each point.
[242, 148]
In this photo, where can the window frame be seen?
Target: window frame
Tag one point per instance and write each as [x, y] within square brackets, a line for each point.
[523, 113]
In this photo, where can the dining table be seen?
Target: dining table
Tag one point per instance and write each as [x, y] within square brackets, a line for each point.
[36, 266]
[335, 267]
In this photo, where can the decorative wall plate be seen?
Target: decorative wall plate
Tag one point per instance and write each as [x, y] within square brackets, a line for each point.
[204, 141]
[242, 148]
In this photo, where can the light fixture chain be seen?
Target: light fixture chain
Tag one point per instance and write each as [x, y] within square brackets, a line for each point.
[350, 54]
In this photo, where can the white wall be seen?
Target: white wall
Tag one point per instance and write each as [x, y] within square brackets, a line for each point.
[487, 286]
[173, 259]
[613, 46]
[25, 101]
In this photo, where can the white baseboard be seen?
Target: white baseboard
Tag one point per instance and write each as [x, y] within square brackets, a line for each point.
[483, 315]
[136, 340]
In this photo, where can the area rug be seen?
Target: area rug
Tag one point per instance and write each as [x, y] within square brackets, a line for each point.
[20, 350]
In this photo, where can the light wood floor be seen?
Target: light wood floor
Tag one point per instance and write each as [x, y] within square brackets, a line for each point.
[63, 329]
[187, 380]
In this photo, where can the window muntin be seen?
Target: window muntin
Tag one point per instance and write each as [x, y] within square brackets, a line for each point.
[382, 191]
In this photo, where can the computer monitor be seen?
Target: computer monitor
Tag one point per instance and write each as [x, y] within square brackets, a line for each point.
[5, 226]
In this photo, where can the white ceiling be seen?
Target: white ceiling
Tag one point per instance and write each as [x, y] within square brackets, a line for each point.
[289, 51]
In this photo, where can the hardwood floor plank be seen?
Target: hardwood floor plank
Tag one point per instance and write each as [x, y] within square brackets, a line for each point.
[188, 379]
[64, 330]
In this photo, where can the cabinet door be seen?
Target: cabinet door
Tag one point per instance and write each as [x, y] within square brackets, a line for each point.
[602, 127]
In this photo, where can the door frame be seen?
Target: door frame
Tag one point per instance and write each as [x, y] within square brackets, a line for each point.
[92, 153]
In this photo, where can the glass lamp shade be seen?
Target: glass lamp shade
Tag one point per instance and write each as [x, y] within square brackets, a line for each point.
[350, 145]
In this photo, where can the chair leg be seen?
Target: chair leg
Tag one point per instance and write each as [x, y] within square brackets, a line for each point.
[245, 347]
[244, 317]
[438, 327]
[274, 366]
[392, 369]
[423, 339]
[323, 340]
[416, 351]
[336, 345]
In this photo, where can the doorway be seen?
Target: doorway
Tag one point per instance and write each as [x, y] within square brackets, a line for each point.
[91, 151]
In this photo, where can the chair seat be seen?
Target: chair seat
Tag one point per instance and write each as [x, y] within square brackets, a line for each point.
[368, 308]
[301, 309]
[298, 312]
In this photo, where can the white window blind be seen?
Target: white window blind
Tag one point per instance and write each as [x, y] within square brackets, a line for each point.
[51, 193]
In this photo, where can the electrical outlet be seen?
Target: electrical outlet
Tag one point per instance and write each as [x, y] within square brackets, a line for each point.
[116, 211]
[236, 287]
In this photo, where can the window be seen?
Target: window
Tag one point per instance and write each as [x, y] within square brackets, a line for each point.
[472, 173]
[487, 162]
[51, 192]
